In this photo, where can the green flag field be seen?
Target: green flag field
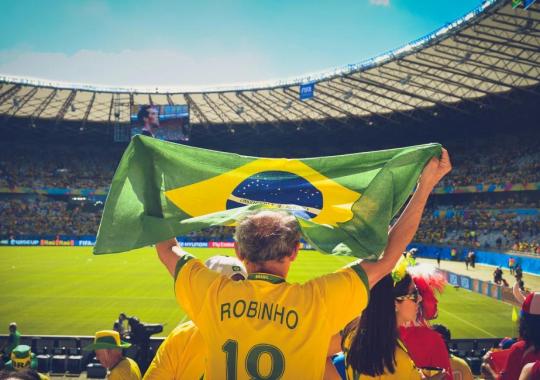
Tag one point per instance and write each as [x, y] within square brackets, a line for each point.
[70, 291]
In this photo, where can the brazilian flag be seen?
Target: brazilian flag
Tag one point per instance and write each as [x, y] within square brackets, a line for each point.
[343, 204]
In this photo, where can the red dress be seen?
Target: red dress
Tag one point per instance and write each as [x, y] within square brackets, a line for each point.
[519, 355]
[426, 348]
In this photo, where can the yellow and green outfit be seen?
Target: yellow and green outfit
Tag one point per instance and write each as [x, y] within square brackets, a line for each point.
[265, 327]
[22, 358]
[125, 369]
[460, 369]
[404, 368]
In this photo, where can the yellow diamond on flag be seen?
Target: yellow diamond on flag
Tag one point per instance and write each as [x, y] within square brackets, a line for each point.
[282, 183]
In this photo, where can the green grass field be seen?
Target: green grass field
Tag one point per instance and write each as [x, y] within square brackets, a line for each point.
[69, 291]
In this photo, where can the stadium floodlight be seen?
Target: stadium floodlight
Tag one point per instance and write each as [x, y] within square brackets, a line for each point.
[525, 28]
[405, 80]
[465, 58]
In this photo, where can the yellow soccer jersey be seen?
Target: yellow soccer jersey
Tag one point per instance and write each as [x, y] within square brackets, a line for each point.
[404, 369]
[264, 327]
[460, 369]
[180, 356]
[126, 369]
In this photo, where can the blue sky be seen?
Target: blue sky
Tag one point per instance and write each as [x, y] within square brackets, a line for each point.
[203, 43]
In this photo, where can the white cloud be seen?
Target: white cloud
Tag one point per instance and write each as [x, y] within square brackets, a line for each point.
[163, 68]
[382, 3]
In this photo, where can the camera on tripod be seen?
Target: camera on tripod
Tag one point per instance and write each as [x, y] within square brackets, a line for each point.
[141, 331]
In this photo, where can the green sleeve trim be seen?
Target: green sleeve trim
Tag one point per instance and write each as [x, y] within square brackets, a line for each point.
[180, 264]
[363, 277]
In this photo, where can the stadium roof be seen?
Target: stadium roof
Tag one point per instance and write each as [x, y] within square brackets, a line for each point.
[490, 51]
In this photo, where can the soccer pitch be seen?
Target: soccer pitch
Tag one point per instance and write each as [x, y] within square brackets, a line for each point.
[70, 291]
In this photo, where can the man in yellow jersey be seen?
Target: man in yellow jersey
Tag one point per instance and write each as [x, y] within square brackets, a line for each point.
[266, 328]
[108, 348]
[182, 354]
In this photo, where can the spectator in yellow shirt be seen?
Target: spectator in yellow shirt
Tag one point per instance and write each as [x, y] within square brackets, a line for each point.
[182, 354]
[108, 348]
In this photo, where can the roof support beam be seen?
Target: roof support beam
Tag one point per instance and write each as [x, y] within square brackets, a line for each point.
[254, 107]
[290, 93]
[229, 103]
[302, 116]
[510, 56]
[330, 85]
[500, 19]
[477, 64]
[65, 106]
[37, 113]
[197, 110]
[278, 116]
[411, 94]
[505, 42]
[274, 111]
[515, 16]
[16, 107]
[89, 108]
[466, 74]
[385, 86]
[332, 96]
[374, 93]
[111, 107]
[6, 95]
[215, 108]
[412, 82]
[517, 33]
[443, 79]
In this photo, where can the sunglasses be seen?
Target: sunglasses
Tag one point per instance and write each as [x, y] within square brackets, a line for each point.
[413, 296]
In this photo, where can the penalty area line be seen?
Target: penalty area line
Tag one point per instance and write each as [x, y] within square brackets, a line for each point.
[468, 323]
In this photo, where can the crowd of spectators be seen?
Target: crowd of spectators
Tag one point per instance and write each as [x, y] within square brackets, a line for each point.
[218, 233]
[43, 216]
[480, 222]
[90, 166]
[485, 162]
[57, 166]
[490, 224]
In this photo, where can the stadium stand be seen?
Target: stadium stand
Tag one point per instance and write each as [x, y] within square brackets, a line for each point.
[476, 78]
[38, 197]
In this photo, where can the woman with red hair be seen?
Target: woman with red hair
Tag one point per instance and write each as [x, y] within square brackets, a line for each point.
[426, 346]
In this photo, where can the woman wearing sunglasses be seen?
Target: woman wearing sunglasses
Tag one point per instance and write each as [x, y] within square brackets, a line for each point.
[371, 344]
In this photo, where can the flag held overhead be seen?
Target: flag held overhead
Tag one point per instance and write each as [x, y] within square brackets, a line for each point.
[344, 204]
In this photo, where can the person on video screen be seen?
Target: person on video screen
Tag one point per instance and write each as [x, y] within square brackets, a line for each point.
[149, 119]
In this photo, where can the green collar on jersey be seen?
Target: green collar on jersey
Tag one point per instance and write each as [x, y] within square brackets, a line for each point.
[266, 277]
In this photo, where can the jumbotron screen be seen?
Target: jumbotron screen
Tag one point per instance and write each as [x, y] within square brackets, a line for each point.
[165, 122]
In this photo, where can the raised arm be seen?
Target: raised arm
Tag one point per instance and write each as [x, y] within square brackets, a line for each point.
[518, 295]
[402, 232]
[169, 252]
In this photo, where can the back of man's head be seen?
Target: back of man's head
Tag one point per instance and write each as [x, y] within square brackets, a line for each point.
[267, 235]
[444, 332]
[143, 112]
